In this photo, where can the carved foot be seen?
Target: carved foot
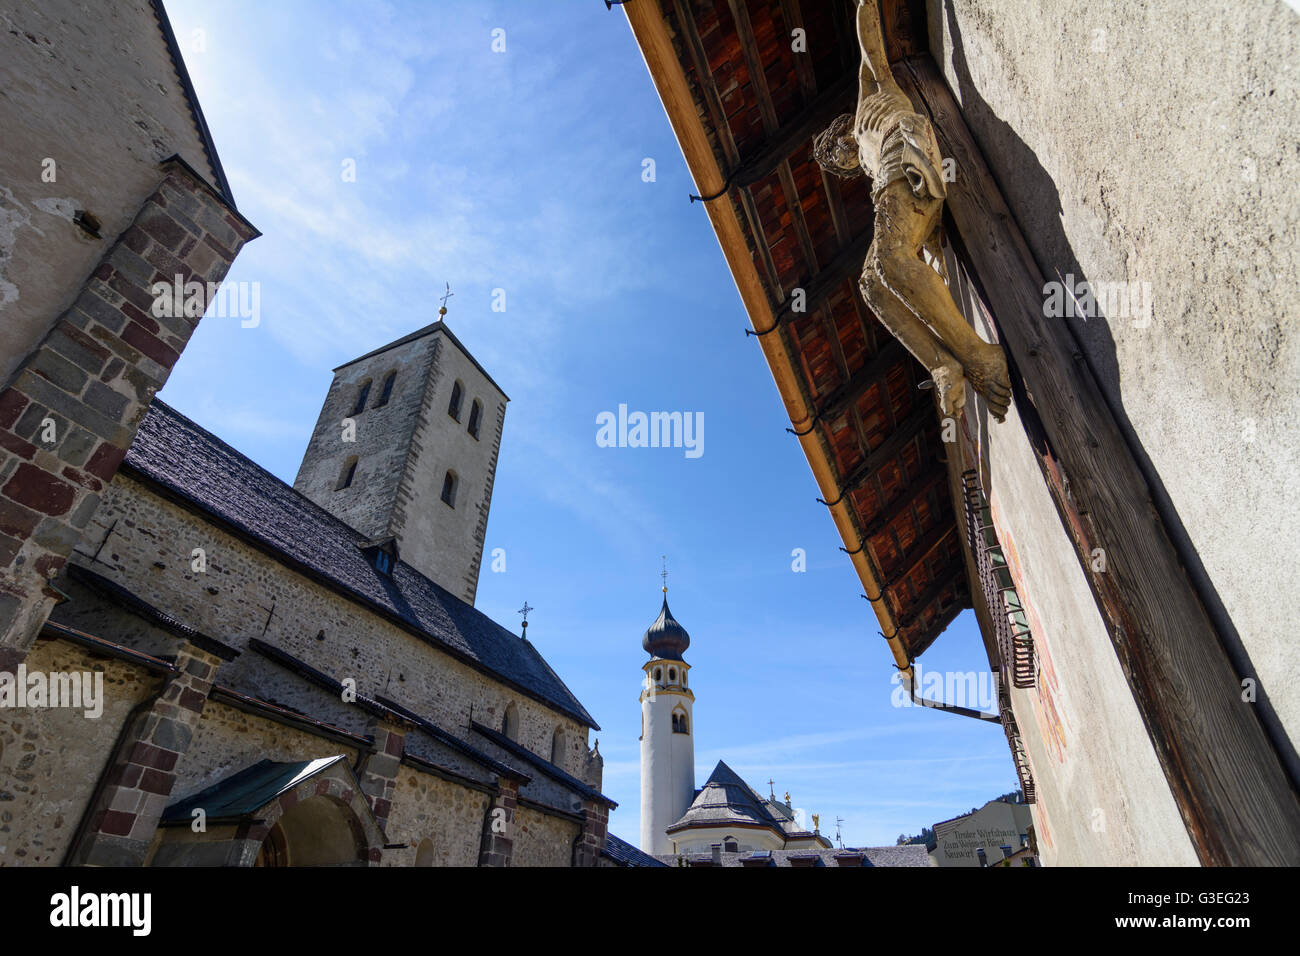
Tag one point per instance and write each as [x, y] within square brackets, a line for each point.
[988, 376]
[952, 390]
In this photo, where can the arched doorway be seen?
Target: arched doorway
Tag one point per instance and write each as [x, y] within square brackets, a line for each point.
[319, 831]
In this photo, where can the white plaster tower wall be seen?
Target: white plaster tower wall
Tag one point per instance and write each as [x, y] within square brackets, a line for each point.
[667, 732]
[667, 753]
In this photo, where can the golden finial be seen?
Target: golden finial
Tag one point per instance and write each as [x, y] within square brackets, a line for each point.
[787, 796]
[443, 311]
[817, 822]
[664, 573]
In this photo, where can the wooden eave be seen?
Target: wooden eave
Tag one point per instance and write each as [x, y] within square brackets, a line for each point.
[745, 108]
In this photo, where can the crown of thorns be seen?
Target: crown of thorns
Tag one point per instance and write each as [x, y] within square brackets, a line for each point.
[825, 147]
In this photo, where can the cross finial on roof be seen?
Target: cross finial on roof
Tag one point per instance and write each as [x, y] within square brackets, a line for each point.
[771, 794]
[446, 296]
[664, 573]
[524, 611]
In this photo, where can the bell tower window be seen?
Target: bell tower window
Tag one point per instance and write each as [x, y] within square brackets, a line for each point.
[386, 392]
[449, 483]
[475, 416]
[362, 395]
[457, 398]
[349, 472]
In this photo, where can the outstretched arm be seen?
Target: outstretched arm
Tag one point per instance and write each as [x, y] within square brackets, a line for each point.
[874, 72]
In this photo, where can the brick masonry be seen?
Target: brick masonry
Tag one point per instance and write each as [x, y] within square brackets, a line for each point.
[497, 847]
[73, 407]
[591, 840]
[139, 783]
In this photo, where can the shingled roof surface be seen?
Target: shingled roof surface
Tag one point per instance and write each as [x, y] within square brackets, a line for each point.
[625, 854]
[910, 855]
[194, 465]
[725, 798]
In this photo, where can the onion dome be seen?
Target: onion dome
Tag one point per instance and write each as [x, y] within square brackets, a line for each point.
[665, 637]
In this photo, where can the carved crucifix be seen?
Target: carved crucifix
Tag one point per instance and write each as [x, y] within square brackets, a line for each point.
[888, 141]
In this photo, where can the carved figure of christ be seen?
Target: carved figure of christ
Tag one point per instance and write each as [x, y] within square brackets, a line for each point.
[886, 140]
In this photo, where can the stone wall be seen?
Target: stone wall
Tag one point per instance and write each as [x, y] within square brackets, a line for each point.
[51, 758]
[542, 839]
[450, 816]
[383, 436]
[241, 585]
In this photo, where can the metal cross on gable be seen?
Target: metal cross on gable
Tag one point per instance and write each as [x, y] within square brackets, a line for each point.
[524, 611]
[447, 295]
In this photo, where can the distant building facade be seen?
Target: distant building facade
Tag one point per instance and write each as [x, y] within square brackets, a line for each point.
[995, 832]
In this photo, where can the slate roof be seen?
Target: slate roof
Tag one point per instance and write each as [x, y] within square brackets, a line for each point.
[725, 798]
[625, 854]
[193, 465]
[541, 764]
[248, 790]
[891, 856]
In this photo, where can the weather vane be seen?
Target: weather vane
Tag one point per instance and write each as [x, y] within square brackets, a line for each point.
[524, 611]
[446, 296]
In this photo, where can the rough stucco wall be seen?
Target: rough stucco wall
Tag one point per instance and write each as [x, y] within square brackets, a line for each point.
[51, 758]
[1155, 143]
[230, 600]
[427, 807]
[1103, 799]
[542, 839]
[106, 105]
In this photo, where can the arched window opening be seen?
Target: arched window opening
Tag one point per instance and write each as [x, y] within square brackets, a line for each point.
[557, 746]
[386, 392]
[475, 415]
[659, 675]
[449, 483]
[680, 725]
[672, 674]
[457, 396]
[362, 395]
[510, 722]
[347, 474]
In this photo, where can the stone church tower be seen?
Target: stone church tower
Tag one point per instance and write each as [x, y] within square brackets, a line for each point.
[405, 451]
[667, 728]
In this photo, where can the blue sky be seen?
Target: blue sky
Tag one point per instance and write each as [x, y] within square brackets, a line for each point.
[522, 170]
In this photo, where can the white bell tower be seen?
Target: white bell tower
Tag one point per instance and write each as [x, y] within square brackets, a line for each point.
[667, 732]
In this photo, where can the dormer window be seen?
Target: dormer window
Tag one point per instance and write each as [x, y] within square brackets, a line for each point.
[475, 417]
[362, 395]
[382, 554]
[386, 392]
[457, 397]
